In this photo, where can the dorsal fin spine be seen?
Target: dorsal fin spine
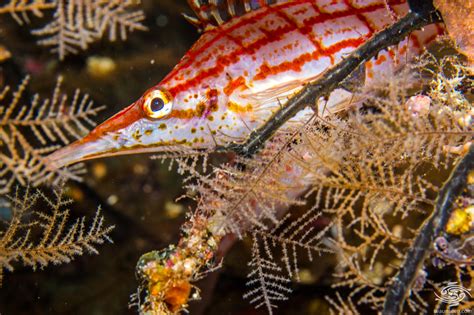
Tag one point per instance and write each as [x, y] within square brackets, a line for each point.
[231, 8]
[247, 5]
[212, 13]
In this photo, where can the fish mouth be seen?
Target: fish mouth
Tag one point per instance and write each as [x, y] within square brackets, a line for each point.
[79, 151]
[115, 137]
[83, 150]
[104, 140]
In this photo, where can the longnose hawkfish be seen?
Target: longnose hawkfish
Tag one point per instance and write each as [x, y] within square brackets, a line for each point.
[240, 72]
[251, 57]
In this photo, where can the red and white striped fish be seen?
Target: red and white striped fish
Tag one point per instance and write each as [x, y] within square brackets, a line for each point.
[242, 70]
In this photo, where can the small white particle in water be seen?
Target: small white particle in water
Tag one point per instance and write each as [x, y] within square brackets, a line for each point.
[152, 61]
[112, 200]
[161, 20]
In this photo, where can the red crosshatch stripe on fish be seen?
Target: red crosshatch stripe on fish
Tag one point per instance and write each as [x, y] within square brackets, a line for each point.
[305, 30]
[233, 85]
[244, 22]
[253, 48]
[297, 63]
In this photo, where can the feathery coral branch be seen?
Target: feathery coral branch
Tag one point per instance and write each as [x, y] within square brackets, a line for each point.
[29, 131]
[78, 23]
[19, 9]
[59, 242]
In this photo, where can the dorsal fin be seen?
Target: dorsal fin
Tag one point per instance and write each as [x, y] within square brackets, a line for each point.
[212, 13]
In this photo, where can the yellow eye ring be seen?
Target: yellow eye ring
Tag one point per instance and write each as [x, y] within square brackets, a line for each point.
[157, 104]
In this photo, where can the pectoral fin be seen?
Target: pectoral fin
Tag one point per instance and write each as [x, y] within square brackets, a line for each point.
[273, 93]
[355, 81]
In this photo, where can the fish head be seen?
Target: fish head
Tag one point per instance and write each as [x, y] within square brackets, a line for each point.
[159, 121]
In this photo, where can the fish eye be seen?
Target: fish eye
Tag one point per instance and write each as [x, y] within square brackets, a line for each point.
[157, 104]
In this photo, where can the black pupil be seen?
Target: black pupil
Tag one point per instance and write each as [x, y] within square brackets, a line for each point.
[157, 104]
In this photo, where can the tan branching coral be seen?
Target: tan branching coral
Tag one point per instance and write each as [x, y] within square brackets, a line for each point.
[36, 230]
[30, 129]
[77, 23]
[59, 241]
[20, 9]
